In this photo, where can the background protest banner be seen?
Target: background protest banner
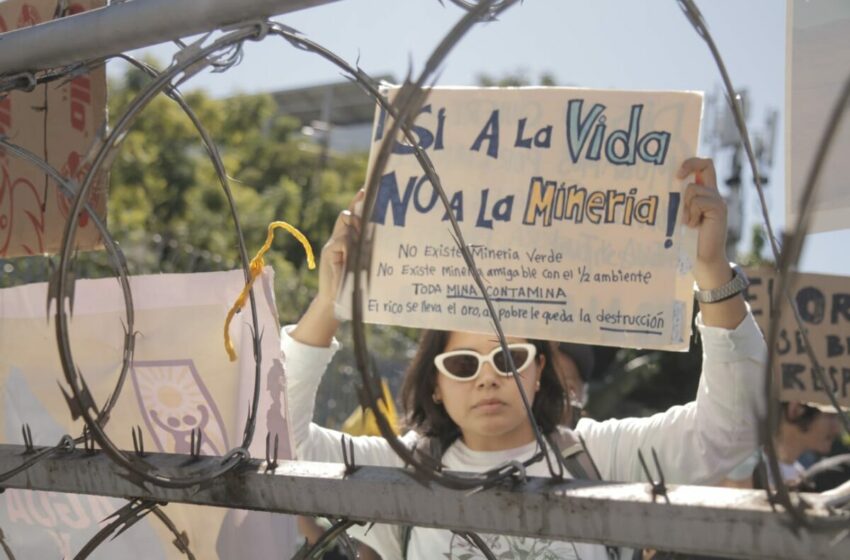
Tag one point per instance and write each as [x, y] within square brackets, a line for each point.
[181, 378]
[569, 201]
[824, 305]
[60, 122]
[819, 56]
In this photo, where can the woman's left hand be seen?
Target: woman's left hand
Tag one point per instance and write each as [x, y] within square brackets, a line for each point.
[705, 210]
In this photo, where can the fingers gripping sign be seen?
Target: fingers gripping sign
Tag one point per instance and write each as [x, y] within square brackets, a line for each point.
[318, 325]
[704, 210]
[335, 252]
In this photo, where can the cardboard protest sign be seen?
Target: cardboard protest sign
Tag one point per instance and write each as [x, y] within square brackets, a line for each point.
[569, 202]
[819, 54]
[181, 378]
[824, 305]
[61, 122]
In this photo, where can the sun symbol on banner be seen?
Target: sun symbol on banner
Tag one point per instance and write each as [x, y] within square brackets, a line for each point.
[174, 401]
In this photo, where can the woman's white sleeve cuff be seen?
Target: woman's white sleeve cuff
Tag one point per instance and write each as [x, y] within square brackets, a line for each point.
[730, 345]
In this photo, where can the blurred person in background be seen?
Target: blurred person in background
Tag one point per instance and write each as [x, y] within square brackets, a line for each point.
[804, 428]
[807, 432]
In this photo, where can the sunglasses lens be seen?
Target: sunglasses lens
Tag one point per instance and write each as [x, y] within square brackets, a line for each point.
[461, 365]
[519, 355]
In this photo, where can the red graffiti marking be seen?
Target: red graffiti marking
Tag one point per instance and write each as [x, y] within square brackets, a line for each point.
[29, 16]
[5, 114]
[80, 99]
[75, 9]
[5, 122]
[76, 171]
[22, 192]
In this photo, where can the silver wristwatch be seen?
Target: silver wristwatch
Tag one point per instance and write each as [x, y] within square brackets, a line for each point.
[733, 287]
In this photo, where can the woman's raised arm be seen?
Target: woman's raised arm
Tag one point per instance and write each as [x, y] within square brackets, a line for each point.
[705, 210]
[319, 324]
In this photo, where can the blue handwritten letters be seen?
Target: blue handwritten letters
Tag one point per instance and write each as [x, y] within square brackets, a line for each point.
[567, 200]
[622, 147]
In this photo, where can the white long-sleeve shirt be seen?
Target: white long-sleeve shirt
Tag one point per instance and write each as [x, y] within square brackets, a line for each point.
[697, 443]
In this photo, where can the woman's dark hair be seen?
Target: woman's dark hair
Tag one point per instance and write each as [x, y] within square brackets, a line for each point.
[431, 419]
[804, 419]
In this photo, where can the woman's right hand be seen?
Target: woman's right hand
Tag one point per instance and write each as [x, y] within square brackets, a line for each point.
[319, 324]
[334, 253]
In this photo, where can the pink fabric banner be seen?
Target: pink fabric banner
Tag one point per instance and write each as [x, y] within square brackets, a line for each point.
[180, 379]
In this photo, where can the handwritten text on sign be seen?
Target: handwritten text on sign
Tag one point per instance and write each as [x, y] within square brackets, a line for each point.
[568, 200]
[824, 305]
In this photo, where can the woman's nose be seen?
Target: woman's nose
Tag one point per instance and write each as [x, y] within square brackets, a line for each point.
[488, 375]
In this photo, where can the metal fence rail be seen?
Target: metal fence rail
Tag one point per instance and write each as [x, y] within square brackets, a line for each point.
[702, 520]
[127, 26]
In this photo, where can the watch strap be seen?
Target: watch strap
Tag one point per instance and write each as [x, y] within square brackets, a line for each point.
[733, 287]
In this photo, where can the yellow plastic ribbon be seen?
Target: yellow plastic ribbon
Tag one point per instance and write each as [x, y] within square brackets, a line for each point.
[255, 268]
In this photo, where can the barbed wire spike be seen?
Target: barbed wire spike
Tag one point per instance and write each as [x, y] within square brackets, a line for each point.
[27, 432]
[195, 444]
[271, 455]
[138, 441]
[88, 441]
[5, 546]
[658, 488]
[348, 454]
[181, 541]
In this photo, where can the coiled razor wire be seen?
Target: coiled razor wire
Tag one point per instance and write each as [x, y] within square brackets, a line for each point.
[790, 257]
[81, 401]
[225, 52]
[119, 262]
[127, 516]
[784, 261]
[5, 546]
[337, 530]
[187, 63]
[401, 110]
[696, 19]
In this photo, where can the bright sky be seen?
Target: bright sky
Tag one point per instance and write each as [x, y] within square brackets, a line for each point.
[618, 44]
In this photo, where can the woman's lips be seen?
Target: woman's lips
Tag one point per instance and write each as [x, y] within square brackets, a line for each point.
[488, 405]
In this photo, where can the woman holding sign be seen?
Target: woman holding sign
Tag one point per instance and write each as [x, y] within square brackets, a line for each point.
[458, 391]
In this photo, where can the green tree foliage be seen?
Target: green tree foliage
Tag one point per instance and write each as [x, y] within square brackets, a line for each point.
[758, 248]
[170, 212]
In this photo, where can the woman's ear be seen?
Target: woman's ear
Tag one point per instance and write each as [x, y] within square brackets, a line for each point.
[437, 396]
[541, 365]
